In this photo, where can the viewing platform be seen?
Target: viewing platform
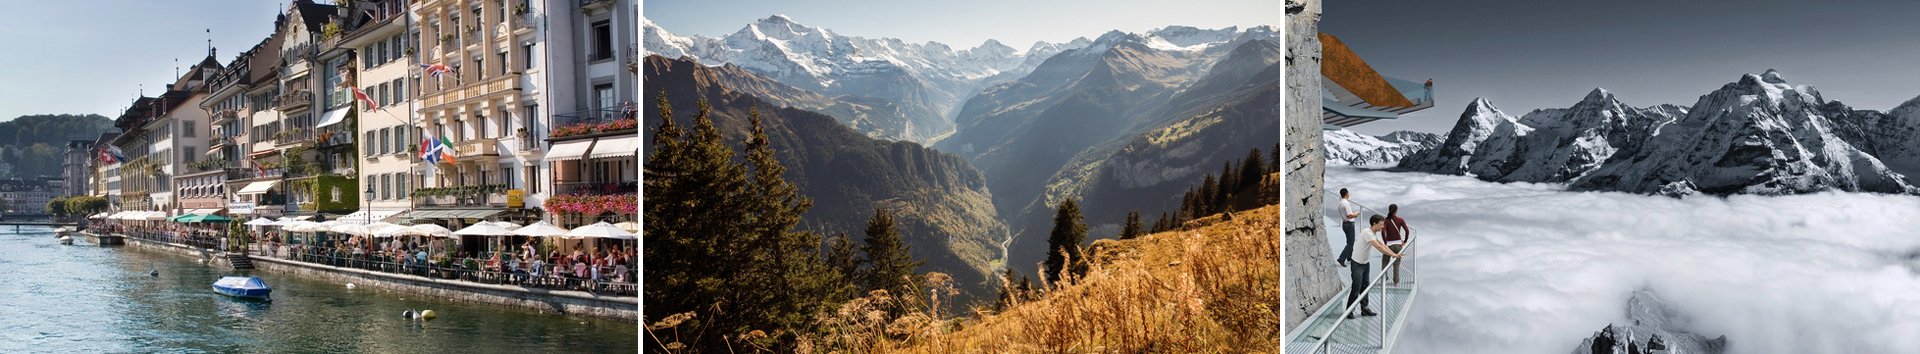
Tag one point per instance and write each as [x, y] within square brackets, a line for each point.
[1353, 93]
[1330, 331]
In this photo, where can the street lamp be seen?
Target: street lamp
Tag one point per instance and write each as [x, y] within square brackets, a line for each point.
[365, 202]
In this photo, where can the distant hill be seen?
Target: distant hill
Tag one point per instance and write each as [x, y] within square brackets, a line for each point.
[33, 144]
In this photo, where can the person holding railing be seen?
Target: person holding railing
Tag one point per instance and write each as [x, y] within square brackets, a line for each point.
[1370, 240]
[1396, 234]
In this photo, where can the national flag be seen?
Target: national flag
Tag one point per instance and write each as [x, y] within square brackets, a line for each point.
[427, 151]
[362, 96]
[116, 154]
[435, 69]
[446, 150]
[104, 157]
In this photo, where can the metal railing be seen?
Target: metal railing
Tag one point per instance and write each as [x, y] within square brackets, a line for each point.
[604, 280]
[618, 280]
[593, 122]
[594, 188]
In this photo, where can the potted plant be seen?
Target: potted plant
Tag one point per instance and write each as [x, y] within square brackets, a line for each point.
[447, 38]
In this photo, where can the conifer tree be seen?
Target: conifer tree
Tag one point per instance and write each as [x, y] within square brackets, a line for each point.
[1132, 226]
[889, 266]
[1273, 165]
[1203, 199]
[782, 261]
[1229, 183]
[843, 258]
[1252, 170]
[1069, 231]
[1009, 289]
[692, 253]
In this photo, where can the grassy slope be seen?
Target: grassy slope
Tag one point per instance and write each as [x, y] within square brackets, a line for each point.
[1210, 288]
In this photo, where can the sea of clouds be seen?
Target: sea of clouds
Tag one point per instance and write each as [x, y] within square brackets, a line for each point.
[1529, 268]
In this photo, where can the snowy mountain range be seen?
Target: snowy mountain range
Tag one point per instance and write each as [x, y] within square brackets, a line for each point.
[922, 80]
[1349, 148]
[1758, 135]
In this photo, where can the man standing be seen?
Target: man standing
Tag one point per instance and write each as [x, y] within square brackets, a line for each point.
[1369, 241]
[1347, 215]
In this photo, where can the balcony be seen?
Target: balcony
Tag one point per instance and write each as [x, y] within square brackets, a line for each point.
[493, 195]
[238, 174]
[293, 101]
[224, 115]
[454, 95]
[591, 5]
[334, 139]
[633, 57]
[593, 123]
[291, 137]
[483, 147]
[595, 188]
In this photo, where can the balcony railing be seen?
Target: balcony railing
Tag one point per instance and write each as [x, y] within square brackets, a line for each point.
[593, 123]
[334, 138]
[493, 195]
[477, 147]
[595, 188]
[226, 114]
[242, 173]
[293, 100]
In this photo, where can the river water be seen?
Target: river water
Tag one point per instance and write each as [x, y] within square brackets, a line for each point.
[82, 298]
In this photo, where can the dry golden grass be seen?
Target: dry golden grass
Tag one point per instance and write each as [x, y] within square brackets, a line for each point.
[1211, 288]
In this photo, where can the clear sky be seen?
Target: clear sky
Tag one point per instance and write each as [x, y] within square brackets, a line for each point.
[1529, 54]
[962, 24]
[91, 56]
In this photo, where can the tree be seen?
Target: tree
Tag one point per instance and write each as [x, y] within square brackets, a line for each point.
[842, 256]
[1132, 227]
[1229, 183]
[696, 255]
[1164, 224]
[782, 262]
[1063, 244]
[1009, 289]
[1203, 198]
[889, 266]
[57, 206]
[1252, 170]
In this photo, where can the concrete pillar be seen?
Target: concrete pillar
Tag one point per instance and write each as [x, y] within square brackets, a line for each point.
[1312, 276]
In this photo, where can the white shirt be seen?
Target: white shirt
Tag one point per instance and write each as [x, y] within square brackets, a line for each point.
[1346, 210]
[1363, 245]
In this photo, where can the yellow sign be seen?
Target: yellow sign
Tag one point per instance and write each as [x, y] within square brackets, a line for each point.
[516, 198]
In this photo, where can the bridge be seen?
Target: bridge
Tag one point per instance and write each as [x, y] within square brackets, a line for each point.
[1329, 330]
[17, 224]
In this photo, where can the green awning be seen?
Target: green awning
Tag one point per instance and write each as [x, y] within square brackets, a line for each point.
[205, 218]
[180, 218]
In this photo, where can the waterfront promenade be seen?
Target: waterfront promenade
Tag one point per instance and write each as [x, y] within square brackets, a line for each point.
[465, 281]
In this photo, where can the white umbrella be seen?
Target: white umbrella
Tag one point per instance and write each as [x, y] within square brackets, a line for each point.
[351, 229]
[433, 230]
[391, 230]
[540, 229]
[301, 226]
[601, 230]
[259, 222]
[506, 225]
[630, 226]
[483, 229]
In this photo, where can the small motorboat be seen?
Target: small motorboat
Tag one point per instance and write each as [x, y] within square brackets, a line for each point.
[243, 287]
[66, 240]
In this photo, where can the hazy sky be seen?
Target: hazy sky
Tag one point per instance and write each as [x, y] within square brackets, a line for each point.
[1528, 54]
[963, 24]
[91, 56]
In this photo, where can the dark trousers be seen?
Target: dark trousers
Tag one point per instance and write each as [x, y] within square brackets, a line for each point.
[1346, 252]
[1357, 291]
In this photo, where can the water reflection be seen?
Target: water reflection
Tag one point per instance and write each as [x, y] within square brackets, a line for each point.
[82, 298]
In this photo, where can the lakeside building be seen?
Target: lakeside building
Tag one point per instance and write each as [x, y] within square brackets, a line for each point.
[534, 99]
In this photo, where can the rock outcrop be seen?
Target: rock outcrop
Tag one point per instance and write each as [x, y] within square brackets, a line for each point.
[1653, 327]
[1310, 278]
